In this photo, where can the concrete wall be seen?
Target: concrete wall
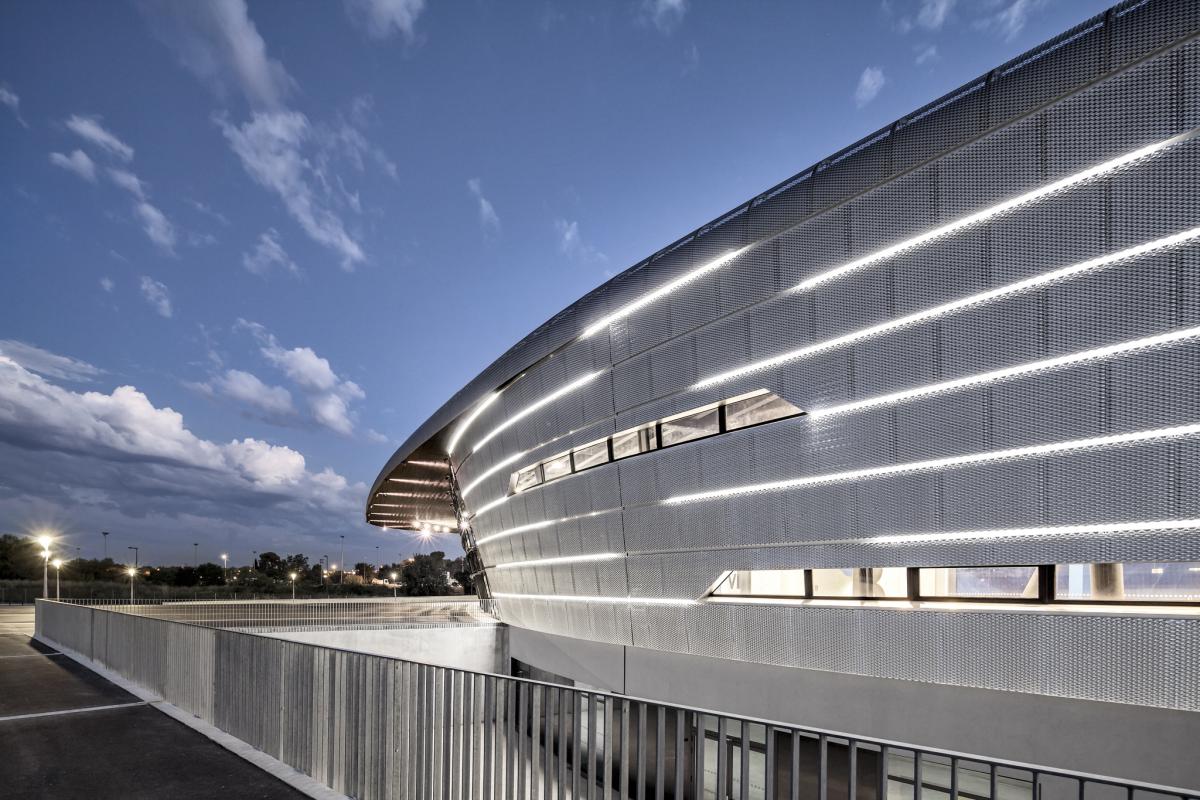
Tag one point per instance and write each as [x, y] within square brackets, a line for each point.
[479, 649]
[1129, 741]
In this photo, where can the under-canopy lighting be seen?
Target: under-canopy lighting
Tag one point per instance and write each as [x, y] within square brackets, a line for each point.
[944, 309]
[466, 423]
[1095, 354]
[571, 598]
[999, 209]
[661, 292]
[547, 562]
[430, 482]
[529, 409]
[386, 505]
[430, 464]
[1156, 434]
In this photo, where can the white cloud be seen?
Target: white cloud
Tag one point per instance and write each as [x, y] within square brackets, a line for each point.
[869, 84]
[156, 225]
[208, 211]
[329, 396]
[248, 388]
[1011, 19]
[932, 14]
[107, 284]
[219, 43]
[268, 252]
[50, 365]
[926, 54]
[153, 451]
[270, 148]
[664, 14]
[157, 296]
[571, 244]
[78, 162]
[376, 437]
[382, 18]
[10, 98]
[128, 181]
[488, 219]
[90, 129]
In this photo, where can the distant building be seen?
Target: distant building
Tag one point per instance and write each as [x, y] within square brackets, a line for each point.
[906, 446]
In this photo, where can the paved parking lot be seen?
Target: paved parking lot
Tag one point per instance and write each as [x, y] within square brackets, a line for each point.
[66, 732]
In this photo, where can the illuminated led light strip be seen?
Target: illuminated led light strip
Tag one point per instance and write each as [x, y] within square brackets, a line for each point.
[533, 526]
[419, 482]
[414, 495]
[489, 473]
[387, 505]
[1032, 367]
[660, 292]
[550, 398]
[957, 305]
[1000, 208]
[486, 507]
[1178, 432]
[545, 562]
[432, 464]
[570, 598]
[466, 423]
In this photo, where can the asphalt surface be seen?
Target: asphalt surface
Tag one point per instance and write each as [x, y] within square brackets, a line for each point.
[66, 732]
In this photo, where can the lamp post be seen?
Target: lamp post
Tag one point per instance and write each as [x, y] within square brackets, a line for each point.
[45, 541]
[195, 555]
[58, 562]
[394, 577]
[225, 561]
[293, 577]
[342, 558]
[132, 574]
[105, 535]
[136, 563]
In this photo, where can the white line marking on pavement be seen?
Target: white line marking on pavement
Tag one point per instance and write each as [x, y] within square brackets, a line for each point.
[71, 711]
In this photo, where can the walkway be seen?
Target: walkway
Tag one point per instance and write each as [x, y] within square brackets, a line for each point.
[66, 732]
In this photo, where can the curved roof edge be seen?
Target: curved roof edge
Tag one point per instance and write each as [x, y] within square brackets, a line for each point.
[754, 224]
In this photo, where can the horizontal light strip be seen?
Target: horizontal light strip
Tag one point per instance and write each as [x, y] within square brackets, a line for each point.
[427, 496]
[546, 562]
[550, 398]
[419, 482]
[489, 473]
[957, 305]
[1000, 208]
[533, 526]
[662, 291]
[570, 598]
[387, 505]
[1032, 367]
[499, 501]
[932, 537]
[431, 464]
[1178, 432]
[466, 423]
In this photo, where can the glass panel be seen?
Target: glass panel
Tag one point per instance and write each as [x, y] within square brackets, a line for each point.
[630, 443]
[1019, 583]
[690, 426]
[557, 467]
[762, 407]
[1136, 583]
[763, 583]
[866, 582]
[531, 476]
[591, 455]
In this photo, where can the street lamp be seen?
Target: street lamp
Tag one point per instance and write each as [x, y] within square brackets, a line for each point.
[58, 562]
[225, 560]
[342, 578]
[135, 555]
[132, 574]
[105, 535]
[45, 541]
[394, 576]
[293, 577]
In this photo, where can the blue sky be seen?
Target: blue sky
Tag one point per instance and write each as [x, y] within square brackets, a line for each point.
[250, 247]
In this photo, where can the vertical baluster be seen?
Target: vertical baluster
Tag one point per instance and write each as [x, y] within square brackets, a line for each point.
[917, 775]
[852, 777]
[794, 794]
[822, 767]
[566, 710]
[660, 746]
[744, 772]
[641, 749]
[577, 701]
[606, 774]
[698, 779]
[722, 758]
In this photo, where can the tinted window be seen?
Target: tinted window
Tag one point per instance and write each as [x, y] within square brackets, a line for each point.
[754, 410]
[591, 455]
[1018, 583]
[690, 426]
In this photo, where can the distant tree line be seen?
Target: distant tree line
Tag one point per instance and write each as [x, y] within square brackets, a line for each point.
[422, 575]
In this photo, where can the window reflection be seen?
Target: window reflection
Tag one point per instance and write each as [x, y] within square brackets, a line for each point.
[690, 426]
[1018, 583]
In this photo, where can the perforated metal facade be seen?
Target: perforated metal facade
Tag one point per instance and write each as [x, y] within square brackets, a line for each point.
[1035, 370]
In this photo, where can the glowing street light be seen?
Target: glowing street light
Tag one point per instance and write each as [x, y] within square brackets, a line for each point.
[293, 576]
[225, 560]
[394, 577]
[58, 562]
[132, 574]
[45, 542]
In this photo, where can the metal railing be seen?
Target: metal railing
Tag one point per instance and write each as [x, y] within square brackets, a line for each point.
[277, 615]
[372, 727]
